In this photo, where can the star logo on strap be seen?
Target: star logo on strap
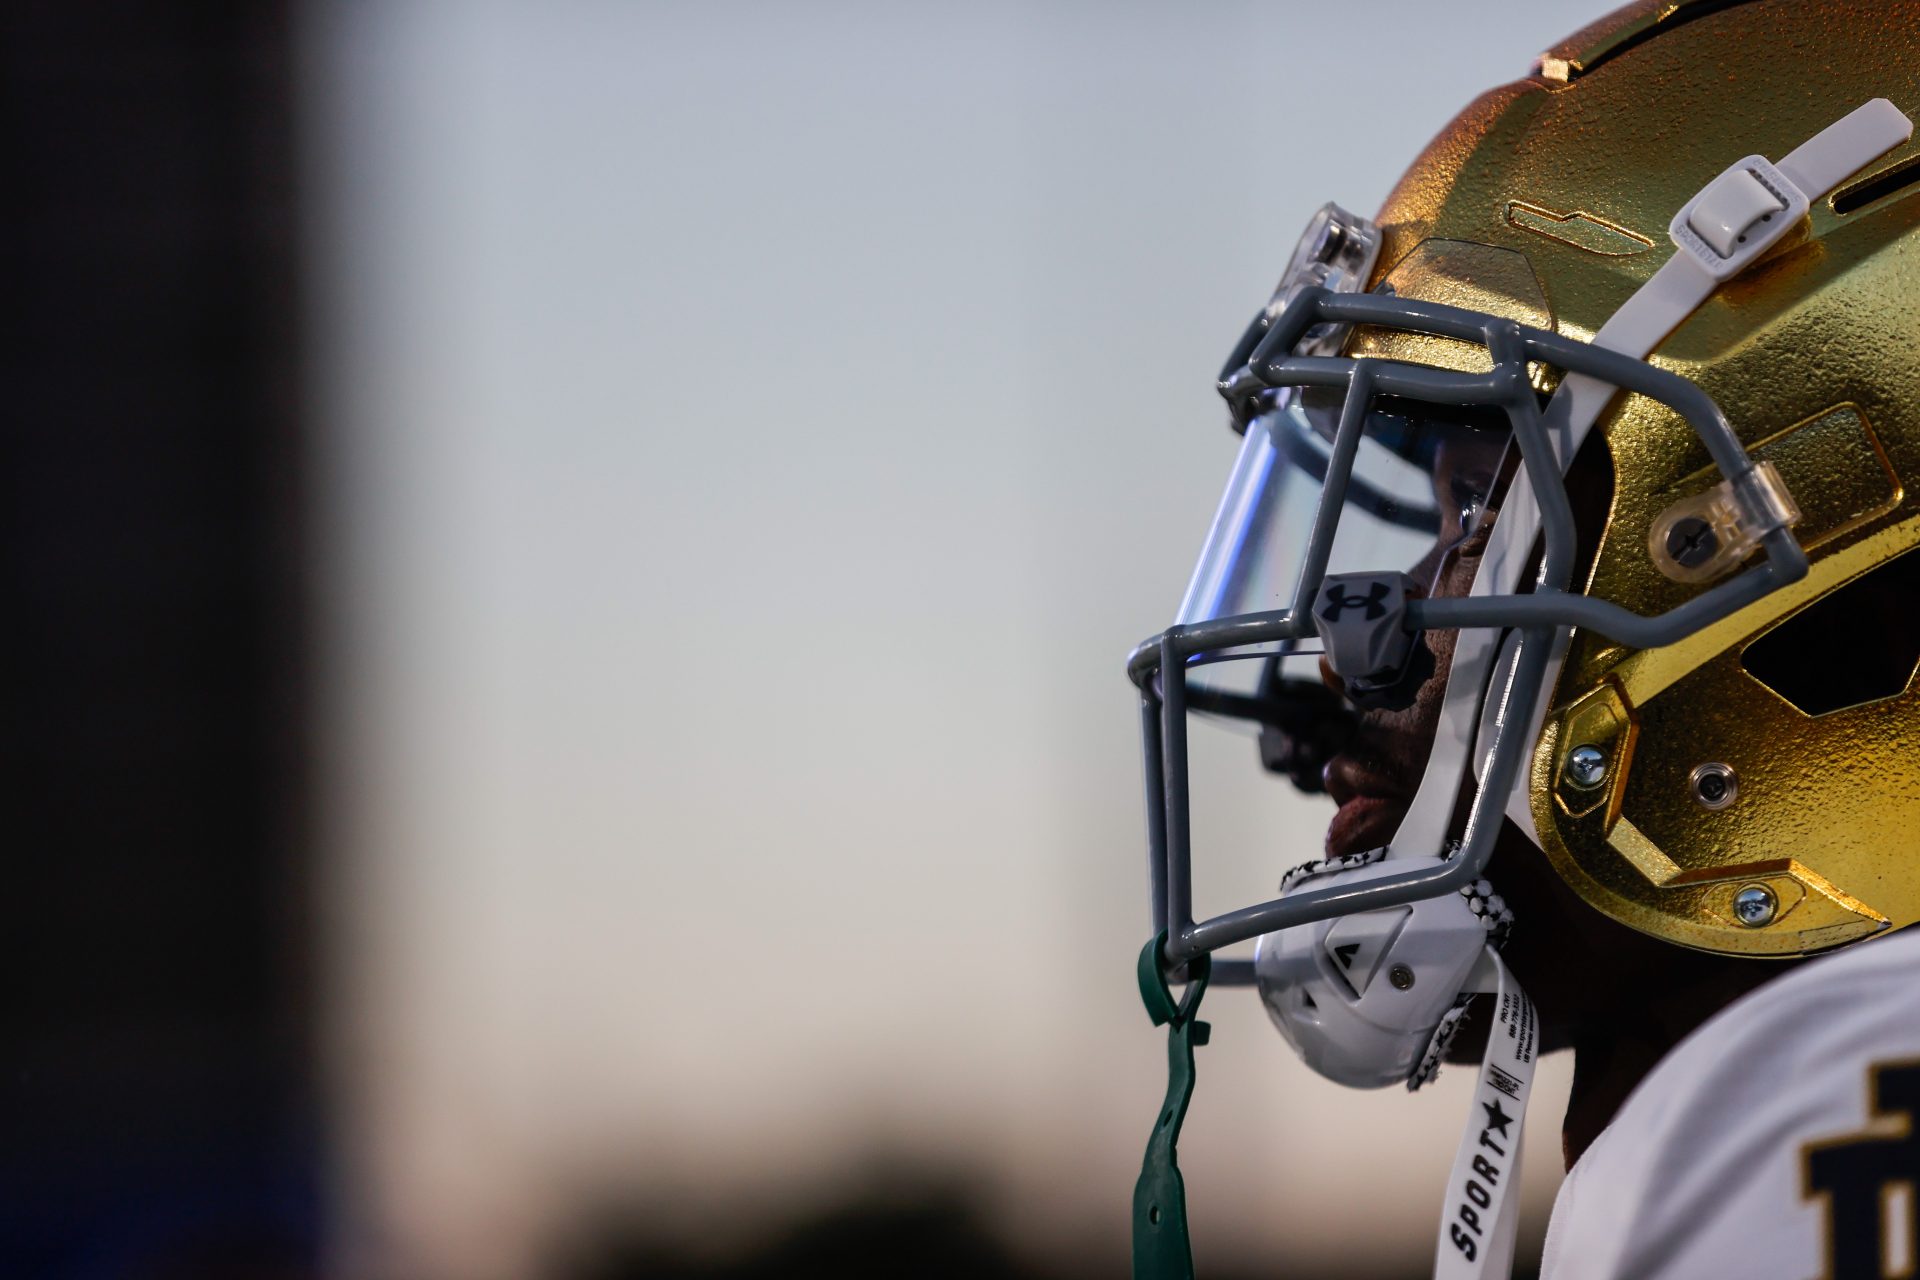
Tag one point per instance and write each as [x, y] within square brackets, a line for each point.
[1496, 1118]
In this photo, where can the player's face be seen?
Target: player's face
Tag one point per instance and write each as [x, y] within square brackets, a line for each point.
[1374, 777]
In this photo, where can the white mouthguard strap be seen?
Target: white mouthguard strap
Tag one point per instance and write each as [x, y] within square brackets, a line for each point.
[1482, 1210]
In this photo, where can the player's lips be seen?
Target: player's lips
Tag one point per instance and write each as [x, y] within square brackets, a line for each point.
[1371, 806]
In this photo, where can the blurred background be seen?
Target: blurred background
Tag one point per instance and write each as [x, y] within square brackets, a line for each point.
[568, 568]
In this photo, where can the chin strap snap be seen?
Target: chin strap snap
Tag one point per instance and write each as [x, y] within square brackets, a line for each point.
[1162, 1249]
[1482, 1209]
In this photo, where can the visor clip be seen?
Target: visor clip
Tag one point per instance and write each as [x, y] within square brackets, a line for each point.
[1247, 396]
[1370, 641]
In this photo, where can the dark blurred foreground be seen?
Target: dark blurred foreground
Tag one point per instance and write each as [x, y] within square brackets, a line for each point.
[938, 1239]
[929, 1230]
[159, 1105]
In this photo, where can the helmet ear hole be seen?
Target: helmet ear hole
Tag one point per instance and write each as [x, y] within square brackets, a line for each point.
[1852, 646]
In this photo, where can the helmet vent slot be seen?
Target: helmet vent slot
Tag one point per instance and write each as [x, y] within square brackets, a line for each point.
[1877, 187]
[1569, 65]
[1856, 645]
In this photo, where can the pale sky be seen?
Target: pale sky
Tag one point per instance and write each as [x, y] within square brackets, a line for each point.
[751, 438]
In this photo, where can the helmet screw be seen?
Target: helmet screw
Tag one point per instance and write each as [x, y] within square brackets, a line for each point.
[1586, 765]
[1754, 906]
[1714, 785]
[1691, 542]
[1401, 977]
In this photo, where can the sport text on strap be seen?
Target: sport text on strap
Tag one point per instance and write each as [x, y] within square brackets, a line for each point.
[1483, 1202]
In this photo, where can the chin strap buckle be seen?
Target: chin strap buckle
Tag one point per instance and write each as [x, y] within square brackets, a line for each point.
[1162, 1249]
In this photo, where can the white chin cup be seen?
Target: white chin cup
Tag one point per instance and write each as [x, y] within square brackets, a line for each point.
[1359, 997]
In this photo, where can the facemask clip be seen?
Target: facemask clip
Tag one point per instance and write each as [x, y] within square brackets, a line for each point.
[1700, 538]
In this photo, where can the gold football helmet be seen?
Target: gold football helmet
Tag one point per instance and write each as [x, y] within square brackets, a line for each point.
[1749, 784]
[1758, 782]
[1602, 427]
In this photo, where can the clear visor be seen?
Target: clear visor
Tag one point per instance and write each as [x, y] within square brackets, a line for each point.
[1423, 479]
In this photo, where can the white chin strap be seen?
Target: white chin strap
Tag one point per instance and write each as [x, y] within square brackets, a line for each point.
[1372, 1000]
[1482, 1210]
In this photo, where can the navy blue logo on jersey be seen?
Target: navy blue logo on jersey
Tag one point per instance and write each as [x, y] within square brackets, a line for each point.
[1855, 1174]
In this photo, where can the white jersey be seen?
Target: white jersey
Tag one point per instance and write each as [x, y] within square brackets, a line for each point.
[1779, 1141]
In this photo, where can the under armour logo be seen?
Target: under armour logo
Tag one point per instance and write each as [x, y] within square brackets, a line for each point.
[1339, 601]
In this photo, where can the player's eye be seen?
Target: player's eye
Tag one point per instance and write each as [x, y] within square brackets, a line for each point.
[1469, 498]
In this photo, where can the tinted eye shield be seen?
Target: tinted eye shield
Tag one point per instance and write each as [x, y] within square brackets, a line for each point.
[1265, 364]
